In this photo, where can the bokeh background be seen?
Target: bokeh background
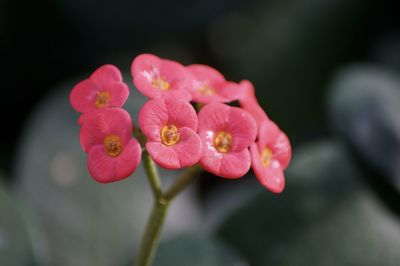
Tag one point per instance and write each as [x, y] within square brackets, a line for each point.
[327, 71]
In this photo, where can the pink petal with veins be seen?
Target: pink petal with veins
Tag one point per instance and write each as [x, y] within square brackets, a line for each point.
[271, 177]
[228, 165]
[147, 68]
[100, 124]
[273, 138]
[106, 79]
[157, 113]
[248, 101]
[106, 169]
[186, 152]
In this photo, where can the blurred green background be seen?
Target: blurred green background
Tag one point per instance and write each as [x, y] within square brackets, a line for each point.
[327, 71]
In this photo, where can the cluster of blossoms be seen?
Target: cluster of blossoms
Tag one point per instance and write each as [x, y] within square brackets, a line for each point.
[225, 140]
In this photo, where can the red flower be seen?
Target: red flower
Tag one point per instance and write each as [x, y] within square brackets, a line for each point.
[112, 153]
[270, 156]
[160, 78]
[170, 126]
[226, 132]
[208, 85]
[103, 89]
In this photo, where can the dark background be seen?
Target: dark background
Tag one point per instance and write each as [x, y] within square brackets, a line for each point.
[326, 71]
[44, 42]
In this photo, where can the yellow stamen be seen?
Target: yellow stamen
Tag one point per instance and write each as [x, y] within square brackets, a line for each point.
[223, 141]
[169, 135]
[160, 83]
[266, 156]
[102, 98]
[112, 145]
[206, 90]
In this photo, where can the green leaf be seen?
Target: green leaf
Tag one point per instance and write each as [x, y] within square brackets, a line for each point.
[196, 250]
[15, 244]
[326, 216]
[84, 222]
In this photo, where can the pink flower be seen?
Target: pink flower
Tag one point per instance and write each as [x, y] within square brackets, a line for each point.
[103, 89]
[270, 156]
[226, 132]
[112, 153]
[170, 126]
[208, 85]
[249, 102]
[158, 78]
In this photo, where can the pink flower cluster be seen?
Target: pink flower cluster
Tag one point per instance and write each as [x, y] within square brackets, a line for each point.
[225, 140]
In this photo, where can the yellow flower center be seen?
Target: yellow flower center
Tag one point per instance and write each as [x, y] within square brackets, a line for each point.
[102, 98]
[206, 90]
[169, 135]
[160, 83]
[265, 157]
[223, 141]
[112, 145]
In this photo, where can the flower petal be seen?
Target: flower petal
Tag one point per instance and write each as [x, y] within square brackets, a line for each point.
[271, 177]
[105, 75]
[105, 79]
[152, 117]
[243, 128]
[272, 137]
[228, 165]
[106, 169]
[146, 68]
[215, 117]
[186, 152]
[181, 114]
[97, 125]
[83, 95]
[248, 101]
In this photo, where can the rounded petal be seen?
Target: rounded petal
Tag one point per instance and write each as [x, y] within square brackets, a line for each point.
[152, 117]
[209, 85]
[82, 96]
[105, 79]
[119, 92]
[157, 113]
[216, 117]
[146, 68]
[270, 177]
[105, 75]
[106, 169]
[213, 117]
[248, 101]
[97, 125]
[181, 114]
[243, 128]
[185, 153]
[271, 136]
[228, 165]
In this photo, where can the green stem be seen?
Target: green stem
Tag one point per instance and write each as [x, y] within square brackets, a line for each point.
[151, 237]
[182, 182]
[152, 175]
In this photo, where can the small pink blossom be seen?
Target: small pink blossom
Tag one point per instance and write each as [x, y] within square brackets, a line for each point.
[112, 152]
[209, 85]
[170, 126]
[249, 102]
[270, 156]
[226, 132]
[158, 78]
[103, 89]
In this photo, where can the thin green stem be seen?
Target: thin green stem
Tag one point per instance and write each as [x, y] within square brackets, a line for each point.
[182, 182]
[151, 237]
[152, 175]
